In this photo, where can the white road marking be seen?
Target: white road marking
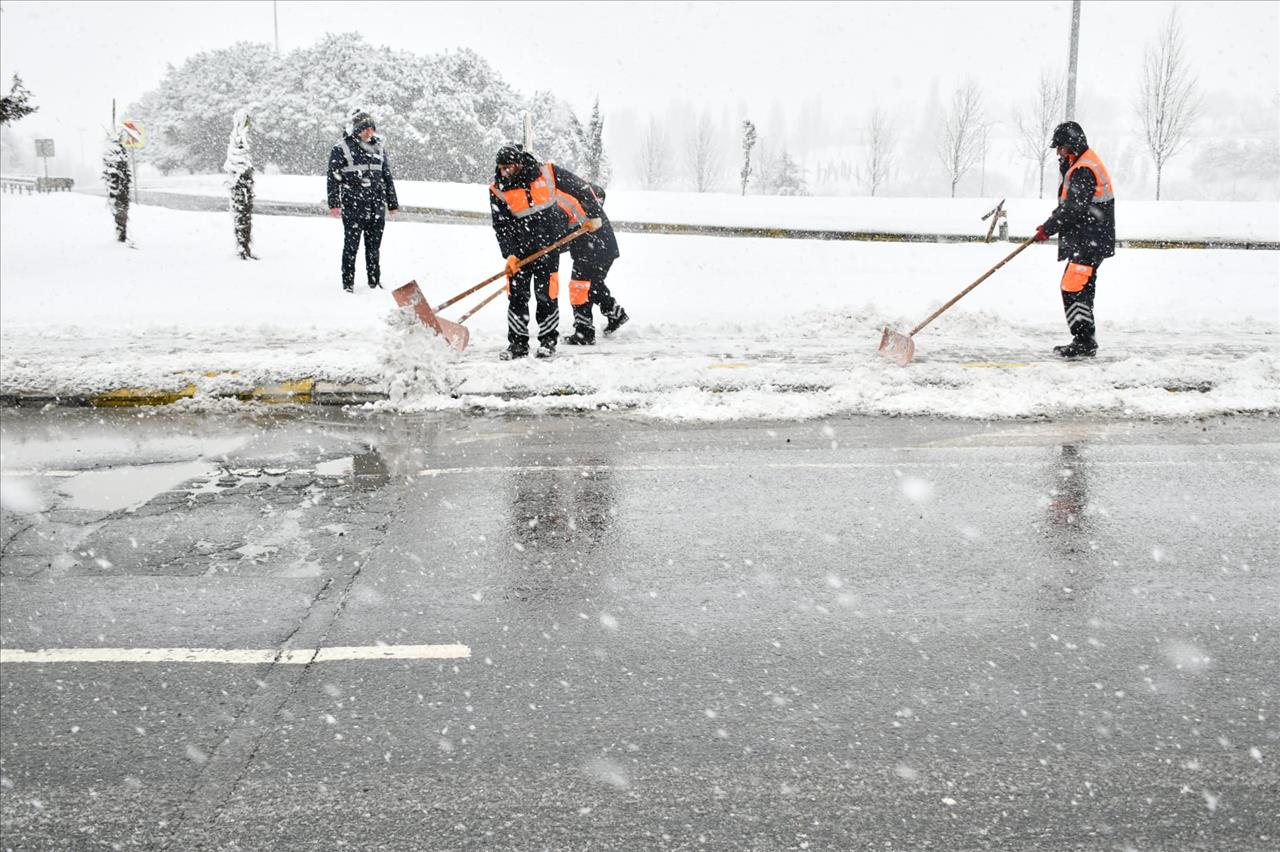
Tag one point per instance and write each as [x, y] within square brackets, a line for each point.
[297, 656]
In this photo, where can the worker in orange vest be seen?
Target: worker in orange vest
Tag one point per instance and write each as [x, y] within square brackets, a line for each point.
[1085, 222]
[529, 213]
[592, 256]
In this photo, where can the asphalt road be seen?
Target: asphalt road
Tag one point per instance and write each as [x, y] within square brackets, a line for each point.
[853, 634]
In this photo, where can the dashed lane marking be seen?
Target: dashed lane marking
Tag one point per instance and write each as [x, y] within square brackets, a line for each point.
[296, 656]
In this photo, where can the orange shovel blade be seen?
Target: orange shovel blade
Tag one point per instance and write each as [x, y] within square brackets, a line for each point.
[897, 347]
[455, 334]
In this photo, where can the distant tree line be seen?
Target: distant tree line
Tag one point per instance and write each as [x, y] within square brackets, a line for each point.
[443, 116]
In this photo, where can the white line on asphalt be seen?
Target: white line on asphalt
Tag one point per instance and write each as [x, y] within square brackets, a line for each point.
[893, 463]
[297, 656]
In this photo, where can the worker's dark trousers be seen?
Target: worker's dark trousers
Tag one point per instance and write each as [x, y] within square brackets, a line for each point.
[352, 228]
[593, 267]
[1078, 308]
[536, 276]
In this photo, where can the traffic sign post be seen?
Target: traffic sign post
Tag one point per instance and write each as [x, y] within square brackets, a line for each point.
[44, 150]
[133, 136]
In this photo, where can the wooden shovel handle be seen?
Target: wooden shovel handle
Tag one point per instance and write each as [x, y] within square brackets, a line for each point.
[487, 299]
[586, 228]
[933, 316]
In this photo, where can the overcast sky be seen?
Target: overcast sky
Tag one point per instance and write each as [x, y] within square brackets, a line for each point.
[76, 56]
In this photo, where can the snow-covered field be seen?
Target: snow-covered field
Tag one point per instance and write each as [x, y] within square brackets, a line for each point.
[722, 328]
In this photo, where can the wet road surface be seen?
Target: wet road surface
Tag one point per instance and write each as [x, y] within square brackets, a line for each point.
[850, 634]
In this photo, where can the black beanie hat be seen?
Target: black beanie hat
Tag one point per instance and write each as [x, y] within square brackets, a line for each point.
[361, 121]
[510, 154]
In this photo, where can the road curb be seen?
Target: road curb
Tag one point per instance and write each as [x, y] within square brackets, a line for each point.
[295, 391]
[186, 201]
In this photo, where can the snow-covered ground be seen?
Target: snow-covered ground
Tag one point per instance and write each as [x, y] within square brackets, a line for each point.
[1170, 220]
[722, 328]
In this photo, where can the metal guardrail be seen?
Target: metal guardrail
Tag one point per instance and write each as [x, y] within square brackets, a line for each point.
[439, 215]
[10, 183]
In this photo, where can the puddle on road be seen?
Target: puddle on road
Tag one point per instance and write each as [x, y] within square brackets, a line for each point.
[131, 486]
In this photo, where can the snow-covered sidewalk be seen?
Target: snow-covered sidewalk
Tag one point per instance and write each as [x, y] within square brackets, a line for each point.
[722, 328]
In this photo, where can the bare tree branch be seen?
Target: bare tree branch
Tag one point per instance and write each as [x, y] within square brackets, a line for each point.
[654, 159]
[960, 147]
[1037, 121]
[703, 154]
[877, 153]
[1168, 101]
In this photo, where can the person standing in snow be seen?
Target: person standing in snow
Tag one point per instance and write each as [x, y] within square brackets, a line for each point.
[592, 255]
[1085, 221]
[361, 191]
[529, 213]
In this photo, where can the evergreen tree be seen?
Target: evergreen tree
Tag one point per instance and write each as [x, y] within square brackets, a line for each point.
[748, 142]
[790, 179]
[16, 104]
[595, 165]
[239, 169]
[116, 174]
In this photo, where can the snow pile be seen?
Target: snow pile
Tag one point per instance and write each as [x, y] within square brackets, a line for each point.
[721, 328]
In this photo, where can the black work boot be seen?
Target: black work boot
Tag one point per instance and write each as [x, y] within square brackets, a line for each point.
[582, 336]
[616, 321]
[1079, 347]
[514, 351]
[546, 349]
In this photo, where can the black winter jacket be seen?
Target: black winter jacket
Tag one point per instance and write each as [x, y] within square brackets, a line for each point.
[360, 180]
[1087, 230]
[601, 243]
[522, 237]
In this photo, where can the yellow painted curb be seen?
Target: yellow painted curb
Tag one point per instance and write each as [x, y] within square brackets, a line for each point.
[727, 366]
[298, 390]
[123, 397]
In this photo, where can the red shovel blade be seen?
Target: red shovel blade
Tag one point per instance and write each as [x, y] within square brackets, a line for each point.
[900, 348]
[454, 334]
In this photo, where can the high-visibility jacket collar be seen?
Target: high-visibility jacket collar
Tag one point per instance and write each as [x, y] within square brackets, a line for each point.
[541, 194]
[1103, 189]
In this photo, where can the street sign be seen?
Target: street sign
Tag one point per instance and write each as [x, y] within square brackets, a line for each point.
[132, 134]
[44, 148]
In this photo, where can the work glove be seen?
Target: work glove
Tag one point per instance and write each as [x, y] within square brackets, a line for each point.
[512, 263]
[595, 224]
[335, 212]
[1040, 236]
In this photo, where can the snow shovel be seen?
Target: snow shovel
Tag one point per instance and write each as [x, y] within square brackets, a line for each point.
[455, 333]
[902, 347]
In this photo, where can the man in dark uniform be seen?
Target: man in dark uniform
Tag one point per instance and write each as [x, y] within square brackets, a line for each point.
[1085, 221]
[361, 191]
[592, 255]
[528, 214]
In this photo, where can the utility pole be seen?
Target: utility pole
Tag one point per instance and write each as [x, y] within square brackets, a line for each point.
[1071, 60]
[275, 21]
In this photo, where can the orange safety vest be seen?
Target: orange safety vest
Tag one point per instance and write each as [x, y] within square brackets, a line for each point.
[540, 195]
[1103, 190]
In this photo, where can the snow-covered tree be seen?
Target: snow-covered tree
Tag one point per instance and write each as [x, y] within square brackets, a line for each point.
[118, 178]
[187, 115]
[789, 178]
[17, 104]
[595, 164]
[239, 169]
[748, 142]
